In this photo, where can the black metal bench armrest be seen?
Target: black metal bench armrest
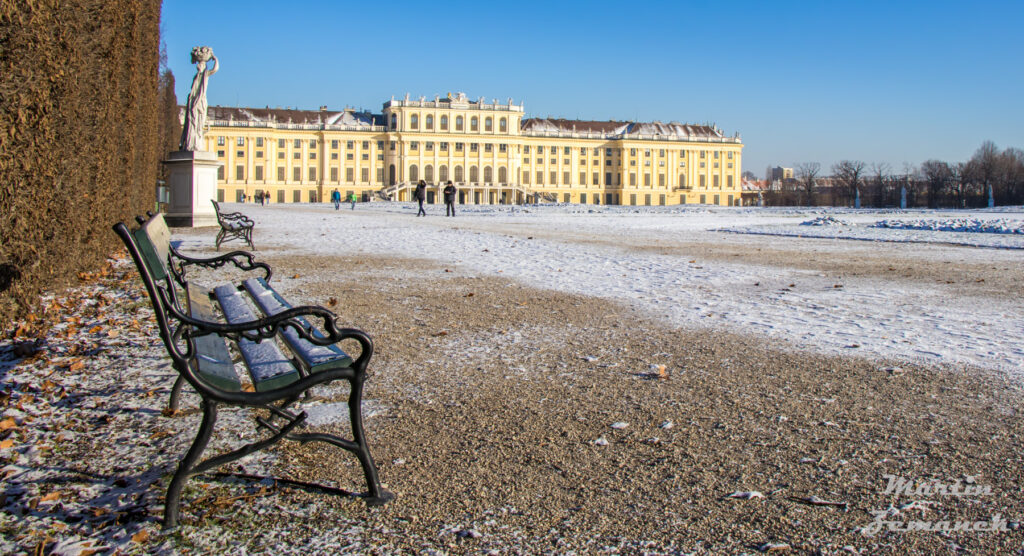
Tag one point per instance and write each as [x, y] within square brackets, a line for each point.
[243, 260]
[268, 327]
[237, 216]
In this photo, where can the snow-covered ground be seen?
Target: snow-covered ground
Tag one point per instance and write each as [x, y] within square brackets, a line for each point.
[638, 256]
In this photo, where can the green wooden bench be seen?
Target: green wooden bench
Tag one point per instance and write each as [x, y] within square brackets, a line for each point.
[233, 225]
[284, 352]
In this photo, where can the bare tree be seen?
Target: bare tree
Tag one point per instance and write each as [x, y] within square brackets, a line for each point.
[848, 173]
[937, 177]
[807, 175]
[879, 173]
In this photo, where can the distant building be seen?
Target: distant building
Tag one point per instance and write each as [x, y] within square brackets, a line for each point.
[489, 150]
[779, 173]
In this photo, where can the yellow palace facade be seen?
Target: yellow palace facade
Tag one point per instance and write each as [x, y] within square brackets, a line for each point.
[489, 150]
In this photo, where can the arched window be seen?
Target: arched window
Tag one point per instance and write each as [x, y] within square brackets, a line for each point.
[391, 175]
[488, 124]
[503, 125]
[502, 175]
[444, 123]
[474, 123]
[414, 173]
[458, 174]
[488, 175]
[430, 122]
[414, 122]
[442, 173]
[428, 170]
[394, 121]
[458, 123]
[474, 175]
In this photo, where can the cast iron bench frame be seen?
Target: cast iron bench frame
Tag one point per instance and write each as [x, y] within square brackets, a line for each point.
[233, 225]
[197, 342]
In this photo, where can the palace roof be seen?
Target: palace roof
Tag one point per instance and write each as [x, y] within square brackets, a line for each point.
[289, 116]
[619, 129]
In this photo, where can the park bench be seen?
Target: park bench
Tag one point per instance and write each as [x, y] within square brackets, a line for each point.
[233, 225]
[201, 328]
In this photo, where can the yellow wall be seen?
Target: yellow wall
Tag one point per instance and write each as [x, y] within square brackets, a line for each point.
[642, 171]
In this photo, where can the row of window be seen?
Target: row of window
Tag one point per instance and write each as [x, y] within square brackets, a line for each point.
[474, 123]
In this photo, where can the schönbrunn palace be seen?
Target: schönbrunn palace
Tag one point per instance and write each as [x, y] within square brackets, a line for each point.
[488, 150]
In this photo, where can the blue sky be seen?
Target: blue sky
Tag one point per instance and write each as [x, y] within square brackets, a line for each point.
[895, 82]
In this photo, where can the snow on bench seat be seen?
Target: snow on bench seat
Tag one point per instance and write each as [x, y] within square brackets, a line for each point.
[268, 366]
[318, 358]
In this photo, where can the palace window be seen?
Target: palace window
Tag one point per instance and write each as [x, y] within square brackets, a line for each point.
[280, 155]
[220, 140]
[220, 154]
[458, 174]
[661, 152]
[458, 123]
[503, 148]
[334, 174]
[460, 146]
[364, 175]
[414, 145]
[414, 173]
[444, 123]
[350, 145]
[565, 178]
[715, 180]
[296, 174]
[430, 121]
[474, 147]
[312, 174]
[334, 156]
[488, 148]
[366, 156]
[366, 145]
[414, 122]
[488, 124]
[349, 156]
[566, 161]
[334, 143]
[729, 181]
[682, 180]
[632, 152]
[540, 177]
[540, 149]
[297, 143]
[428, 173]
[716, 154]
[526, 161]
[503, 125]
[583, 151]
[647, 180]
[632, 178]
[280, 143]
[259, 143]
[730, 155]
[430, 145]
[312, 143]
[312, 155]
[391, 145]
[502, 174]
[280, 173]
[702, 154]
[566, 151]
[240, 154]
[553, 161]
[380, 145]
[240, 141]
[442, 173]
[350, 175]
[296, 155]
[259, 172]
[526, 149]
[583, 178]
[474, 123]
[554, 177]
[394, 121]
[444, 145]
[608, 152]
[259, 154]
[474, 175]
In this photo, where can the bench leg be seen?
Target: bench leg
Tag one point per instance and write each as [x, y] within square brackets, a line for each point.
[173, 498]
[376, 495]
[220, 238]
[172, 404]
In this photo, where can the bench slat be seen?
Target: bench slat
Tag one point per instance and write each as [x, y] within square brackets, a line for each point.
[317, 357]
[212, 355]
[268, 366]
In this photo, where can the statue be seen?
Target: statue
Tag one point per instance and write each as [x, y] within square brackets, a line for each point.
[195, 107]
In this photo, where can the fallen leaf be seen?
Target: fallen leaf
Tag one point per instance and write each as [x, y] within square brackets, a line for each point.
[95, 329]
[295, 276]
[141, 536]
[52, 497]
[8, 423]
[9, 443]
[331, 302]
[77, 366]
[470, 294]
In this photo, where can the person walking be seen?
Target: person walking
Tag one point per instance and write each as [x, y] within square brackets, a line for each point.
[420, 195]
[449, 199]
[336, 199]
[352, 199]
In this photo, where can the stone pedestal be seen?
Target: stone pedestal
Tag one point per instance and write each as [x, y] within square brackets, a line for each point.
[192, 180]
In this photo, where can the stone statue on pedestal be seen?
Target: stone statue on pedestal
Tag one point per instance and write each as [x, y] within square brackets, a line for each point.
[195, 107]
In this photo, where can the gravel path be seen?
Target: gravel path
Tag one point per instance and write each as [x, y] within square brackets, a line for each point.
[507, 420]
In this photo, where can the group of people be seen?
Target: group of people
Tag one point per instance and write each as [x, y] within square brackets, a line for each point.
[449, 198]
[336, 199]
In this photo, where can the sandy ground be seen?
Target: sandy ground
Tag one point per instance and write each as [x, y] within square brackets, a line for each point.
[497, 393]
[514, 420]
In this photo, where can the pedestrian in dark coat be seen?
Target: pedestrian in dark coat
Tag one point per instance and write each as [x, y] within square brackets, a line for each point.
[421, 195]
[449, 199]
